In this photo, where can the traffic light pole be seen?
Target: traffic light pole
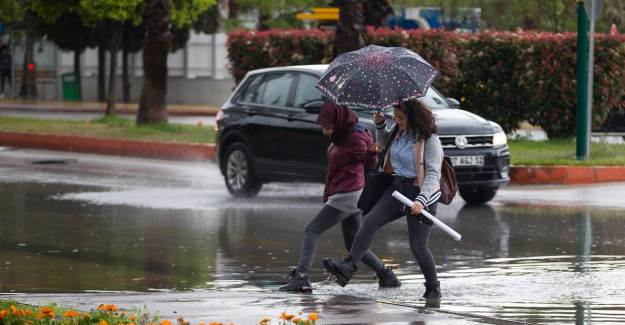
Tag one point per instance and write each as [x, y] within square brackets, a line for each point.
[582, 108]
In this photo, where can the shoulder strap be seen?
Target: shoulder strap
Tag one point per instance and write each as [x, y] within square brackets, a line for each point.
[418, 150]
[383, 155]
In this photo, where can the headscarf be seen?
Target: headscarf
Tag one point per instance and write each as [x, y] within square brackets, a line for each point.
[339, 118]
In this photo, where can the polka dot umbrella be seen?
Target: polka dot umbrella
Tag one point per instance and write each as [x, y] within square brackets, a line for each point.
[376, 77]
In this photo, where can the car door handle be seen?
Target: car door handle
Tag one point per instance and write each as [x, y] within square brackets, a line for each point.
[251, 112]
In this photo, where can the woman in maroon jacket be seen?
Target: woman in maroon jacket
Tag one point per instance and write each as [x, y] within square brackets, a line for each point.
[348, 157]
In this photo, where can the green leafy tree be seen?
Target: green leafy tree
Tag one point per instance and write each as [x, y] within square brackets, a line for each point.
[69, 33]
[113, 15]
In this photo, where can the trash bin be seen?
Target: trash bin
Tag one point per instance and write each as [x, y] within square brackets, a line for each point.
[70, 86]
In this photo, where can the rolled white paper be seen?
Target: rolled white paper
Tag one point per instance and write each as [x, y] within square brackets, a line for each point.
[407, 202]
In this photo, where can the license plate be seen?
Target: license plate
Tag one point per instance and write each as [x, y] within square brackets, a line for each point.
[467, 160]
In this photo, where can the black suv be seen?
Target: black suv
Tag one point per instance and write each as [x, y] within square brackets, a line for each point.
[267, 132]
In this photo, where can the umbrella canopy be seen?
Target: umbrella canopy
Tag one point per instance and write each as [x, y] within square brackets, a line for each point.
[377, 77]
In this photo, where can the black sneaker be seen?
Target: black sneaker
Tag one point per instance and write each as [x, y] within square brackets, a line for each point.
[387, 278]
[298, 282]
[342, 271]
[432, 291]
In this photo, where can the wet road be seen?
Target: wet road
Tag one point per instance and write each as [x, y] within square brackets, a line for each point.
[93, 223]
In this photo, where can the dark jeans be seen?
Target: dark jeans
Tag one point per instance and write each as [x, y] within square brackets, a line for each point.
[327, 218]
[388, 209]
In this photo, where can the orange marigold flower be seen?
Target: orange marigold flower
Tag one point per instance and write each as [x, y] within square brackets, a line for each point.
[313, 316]
[3, 313]
[165, 322]
[103, 322]
[70, 313]
[286, 316]
[265, 320]
[106, 307]
[13, 309]
[133, 317]
[47, 311]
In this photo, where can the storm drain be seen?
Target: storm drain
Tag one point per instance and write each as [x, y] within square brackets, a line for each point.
[54, 161]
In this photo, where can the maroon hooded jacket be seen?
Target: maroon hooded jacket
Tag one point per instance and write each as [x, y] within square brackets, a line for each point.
[348, 153]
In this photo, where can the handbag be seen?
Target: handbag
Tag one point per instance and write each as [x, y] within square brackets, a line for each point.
[376, 182]
[448, 183]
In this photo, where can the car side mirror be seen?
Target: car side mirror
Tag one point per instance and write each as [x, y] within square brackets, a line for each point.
[453, 102]
[313, 107]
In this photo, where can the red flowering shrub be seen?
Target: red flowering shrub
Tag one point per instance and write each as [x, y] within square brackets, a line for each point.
[249, 50]
[504, 77]
[547, 79]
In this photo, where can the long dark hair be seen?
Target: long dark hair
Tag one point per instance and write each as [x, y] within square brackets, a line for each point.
[419, 118]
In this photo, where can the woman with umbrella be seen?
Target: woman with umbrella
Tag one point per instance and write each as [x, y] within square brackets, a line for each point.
[348, 157]
[378, 77]
[414, 123]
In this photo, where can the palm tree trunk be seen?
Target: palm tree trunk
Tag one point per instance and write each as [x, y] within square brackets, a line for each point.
[153, 105]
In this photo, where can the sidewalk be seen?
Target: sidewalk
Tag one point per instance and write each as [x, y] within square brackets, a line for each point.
[96, 107]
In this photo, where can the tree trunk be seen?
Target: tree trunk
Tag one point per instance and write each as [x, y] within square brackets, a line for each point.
[125, 76]
[377, 13]
[28, 88]
[351, 27]
[233, 9]
[77, 73]
[101, 73]
[116, 33]
[153, 105]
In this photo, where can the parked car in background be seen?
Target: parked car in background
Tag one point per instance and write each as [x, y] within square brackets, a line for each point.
[267, 132]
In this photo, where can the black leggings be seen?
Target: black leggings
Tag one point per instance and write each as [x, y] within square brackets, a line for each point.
[388, 209]
[327, 218]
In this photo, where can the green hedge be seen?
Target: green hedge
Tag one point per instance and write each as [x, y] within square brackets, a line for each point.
[504, 77]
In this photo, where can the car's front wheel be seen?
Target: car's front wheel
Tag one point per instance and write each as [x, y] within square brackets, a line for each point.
[239, 174]
[478, 195]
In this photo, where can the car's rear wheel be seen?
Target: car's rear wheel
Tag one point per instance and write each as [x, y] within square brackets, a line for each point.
[478, 195]
[239, 174]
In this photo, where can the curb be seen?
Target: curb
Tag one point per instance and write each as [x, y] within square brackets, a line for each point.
[566, 175]
[117, 147]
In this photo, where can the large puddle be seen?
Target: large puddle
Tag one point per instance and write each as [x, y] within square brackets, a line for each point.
[535, 264]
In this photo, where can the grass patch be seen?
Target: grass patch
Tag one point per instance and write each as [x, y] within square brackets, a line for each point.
[562, 152]
[112, 127]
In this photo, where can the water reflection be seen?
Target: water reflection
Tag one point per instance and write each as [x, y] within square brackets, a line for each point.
[555, 265]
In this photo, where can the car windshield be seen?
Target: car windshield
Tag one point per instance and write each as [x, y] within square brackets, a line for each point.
[434, 100]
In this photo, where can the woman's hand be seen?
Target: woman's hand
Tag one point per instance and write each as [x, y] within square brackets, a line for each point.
[378, 118]
[416, 208]
[375, 148]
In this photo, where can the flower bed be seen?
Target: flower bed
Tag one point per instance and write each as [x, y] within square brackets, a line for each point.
[13, 313]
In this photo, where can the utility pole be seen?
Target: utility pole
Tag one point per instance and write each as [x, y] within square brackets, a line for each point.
[582, 110]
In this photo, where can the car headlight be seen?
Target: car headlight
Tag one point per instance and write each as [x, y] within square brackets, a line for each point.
[500, 138]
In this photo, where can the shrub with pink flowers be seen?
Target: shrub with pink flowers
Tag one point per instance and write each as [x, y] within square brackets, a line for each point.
[505, 77]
